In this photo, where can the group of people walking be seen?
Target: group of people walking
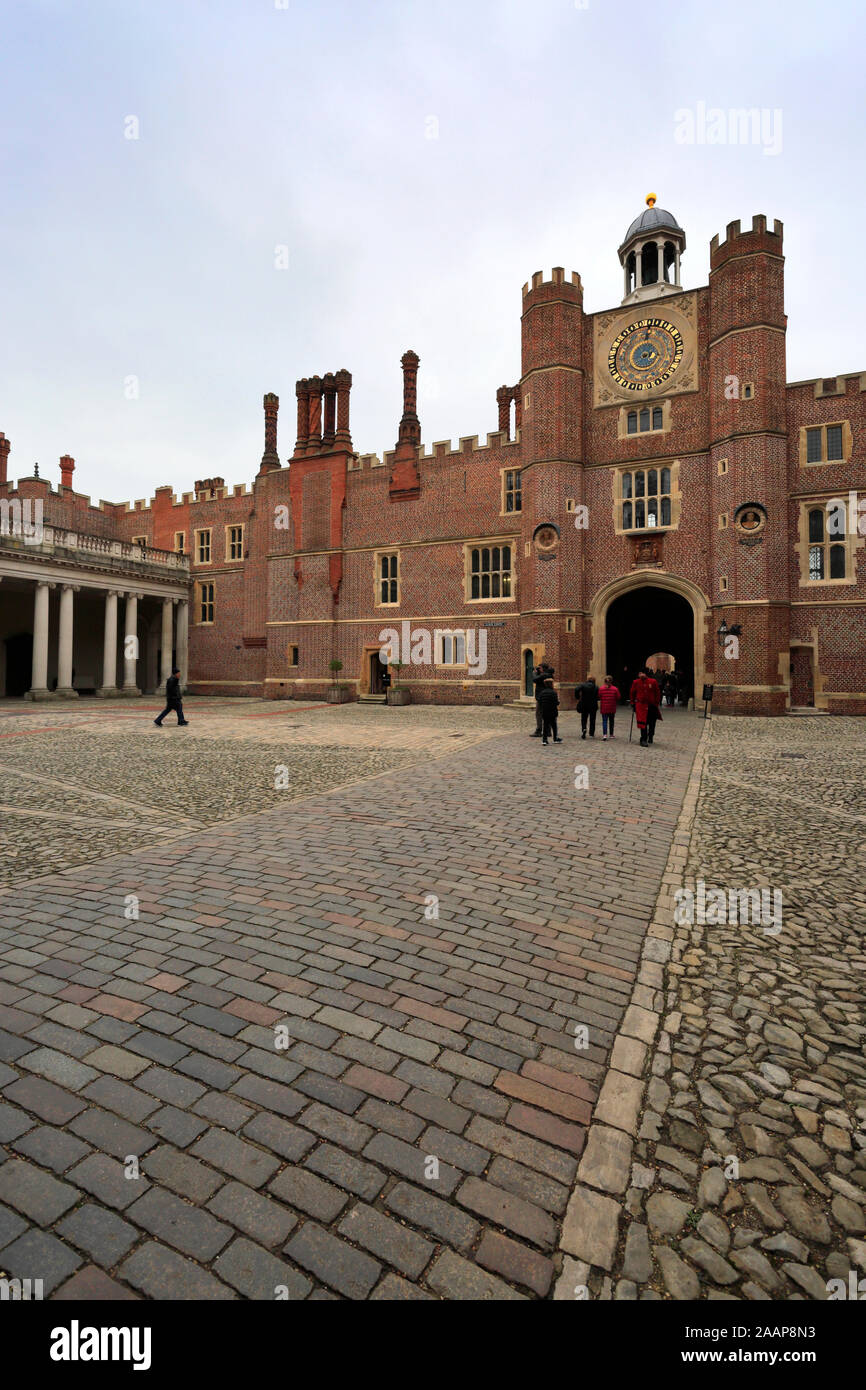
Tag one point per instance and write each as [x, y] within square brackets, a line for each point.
[672, 685]
[590, 699]
[645, 698]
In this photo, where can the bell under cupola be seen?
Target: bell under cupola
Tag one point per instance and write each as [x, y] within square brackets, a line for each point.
[650, 255]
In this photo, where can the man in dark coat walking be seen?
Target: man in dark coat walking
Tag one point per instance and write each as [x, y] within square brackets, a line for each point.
[549, 702]
[541, 673]
[587, 703]
[172, 699]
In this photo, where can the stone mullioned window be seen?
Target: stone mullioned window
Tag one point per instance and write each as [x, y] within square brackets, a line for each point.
[205, 596]
[489, 573]
[830, 443]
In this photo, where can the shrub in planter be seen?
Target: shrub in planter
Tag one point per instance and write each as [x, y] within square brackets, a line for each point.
[398, 694]
[338, 693]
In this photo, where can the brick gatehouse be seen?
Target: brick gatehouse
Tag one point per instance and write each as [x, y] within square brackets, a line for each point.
[653, 479]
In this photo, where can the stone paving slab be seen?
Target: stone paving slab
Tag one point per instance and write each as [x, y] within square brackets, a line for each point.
[372, 1022]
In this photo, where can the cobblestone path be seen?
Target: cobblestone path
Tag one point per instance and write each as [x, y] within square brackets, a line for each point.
[737, 1169]
[332, 1048]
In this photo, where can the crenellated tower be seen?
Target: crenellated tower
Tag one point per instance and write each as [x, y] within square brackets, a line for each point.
[551, 414]
[748, 529]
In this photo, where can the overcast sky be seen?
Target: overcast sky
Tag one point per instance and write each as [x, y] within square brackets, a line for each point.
[418, 159]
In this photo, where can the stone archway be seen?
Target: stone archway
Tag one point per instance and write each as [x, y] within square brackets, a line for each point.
[641, 579]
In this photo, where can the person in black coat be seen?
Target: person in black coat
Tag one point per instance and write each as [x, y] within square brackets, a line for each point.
[587, 703]
[172, 699]
[541, 673]
[549, 702]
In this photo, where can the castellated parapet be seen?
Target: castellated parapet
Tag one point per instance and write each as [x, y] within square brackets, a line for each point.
[739, 243]
[557, 281]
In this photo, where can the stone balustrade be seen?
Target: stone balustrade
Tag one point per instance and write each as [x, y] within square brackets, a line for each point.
[55, 540]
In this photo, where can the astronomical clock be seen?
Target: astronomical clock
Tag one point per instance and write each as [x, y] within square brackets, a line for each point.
[645, 351]
[645, 354]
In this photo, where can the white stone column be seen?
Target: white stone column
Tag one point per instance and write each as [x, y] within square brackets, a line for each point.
[625, 269]
[64, 646]
[109, 648]
[676, 264]
[39, 677]
[660, 254]
[130, 645]
[183, 641]
[638, 272]
[167, 623]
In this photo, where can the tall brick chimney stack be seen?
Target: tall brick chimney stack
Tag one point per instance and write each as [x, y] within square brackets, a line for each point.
[329, 419]
[302, 391]
[5, 447]
[343, 380]
[270, 458]
[410, 425]
[404, 484]
[67, 467]
[503, 400]
[314, 417]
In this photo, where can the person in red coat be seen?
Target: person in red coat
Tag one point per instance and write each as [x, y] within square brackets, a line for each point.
[608, 699]
[645, 698]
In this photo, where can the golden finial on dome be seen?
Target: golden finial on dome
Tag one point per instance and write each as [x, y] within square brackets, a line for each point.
[651, 200]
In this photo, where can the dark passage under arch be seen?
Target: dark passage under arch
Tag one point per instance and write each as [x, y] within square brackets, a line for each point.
[644, 621]
[19, 663]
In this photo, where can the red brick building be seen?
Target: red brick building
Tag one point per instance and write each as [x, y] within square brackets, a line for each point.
[655, 485]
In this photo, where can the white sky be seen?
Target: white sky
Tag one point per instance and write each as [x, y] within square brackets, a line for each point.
[306, 126]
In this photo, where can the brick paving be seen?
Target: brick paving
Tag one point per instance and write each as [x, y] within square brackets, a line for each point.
[326, 1048]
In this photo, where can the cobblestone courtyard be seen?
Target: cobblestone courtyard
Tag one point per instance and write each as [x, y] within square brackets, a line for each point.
[749, 1174]
[377, 1003]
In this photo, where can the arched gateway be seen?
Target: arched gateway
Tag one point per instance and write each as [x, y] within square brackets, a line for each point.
[642, 613]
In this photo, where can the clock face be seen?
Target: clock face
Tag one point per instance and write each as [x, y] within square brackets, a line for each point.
[645, 354]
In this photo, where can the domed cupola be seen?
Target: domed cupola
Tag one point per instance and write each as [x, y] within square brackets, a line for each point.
[650, 255]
